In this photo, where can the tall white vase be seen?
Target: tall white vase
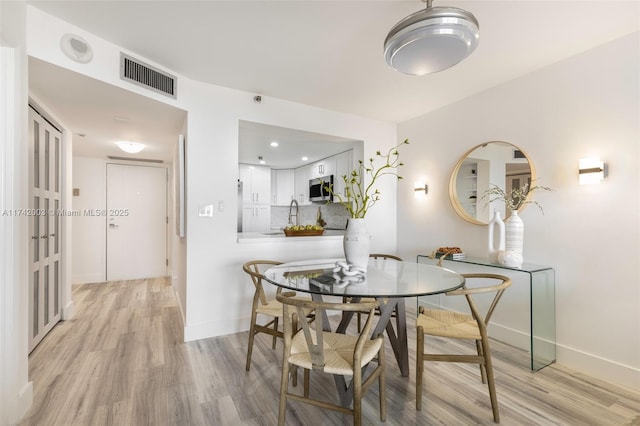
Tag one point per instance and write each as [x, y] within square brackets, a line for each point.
[356, 243]
[496, 238]
[514, 230]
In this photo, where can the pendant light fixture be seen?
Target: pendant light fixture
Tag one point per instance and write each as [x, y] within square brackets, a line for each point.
[431, 40]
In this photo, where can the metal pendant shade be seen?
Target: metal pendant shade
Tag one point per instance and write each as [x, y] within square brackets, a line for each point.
[431, 40]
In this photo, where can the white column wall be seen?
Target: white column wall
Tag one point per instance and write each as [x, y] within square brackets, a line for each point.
[584, 106]
[16, 391]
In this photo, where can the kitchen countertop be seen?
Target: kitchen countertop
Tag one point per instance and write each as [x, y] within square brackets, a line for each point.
[278, 236]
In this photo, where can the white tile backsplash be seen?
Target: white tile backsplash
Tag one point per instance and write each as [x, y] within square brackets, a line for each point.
[335, 215]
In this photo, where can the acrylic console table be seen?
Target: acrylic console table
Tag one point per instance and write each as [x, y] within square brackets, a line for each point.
[541, 321]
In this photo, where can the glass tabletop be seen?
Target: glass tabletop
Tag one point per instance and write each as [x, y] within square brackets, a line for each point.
[384, 278]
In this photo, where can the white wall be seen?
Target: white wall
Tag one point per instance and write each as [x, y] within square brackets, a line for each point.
[587, 105]
[89, 232]
[217, 294]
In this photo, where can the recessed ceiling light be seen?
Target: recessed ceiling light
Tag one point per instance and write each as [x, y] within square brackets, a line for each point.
[130, 147]
[274, 144]
[305, 158]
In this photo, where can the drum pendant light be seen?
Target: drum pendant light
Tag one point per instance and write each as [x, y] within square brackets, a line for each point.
[431, 40]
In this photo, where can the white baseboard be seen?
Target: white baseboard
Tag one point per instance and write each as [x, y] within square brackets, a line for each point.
[25, 399]
[215, 329]
[68, 311]
[179, 303]
[598, 367]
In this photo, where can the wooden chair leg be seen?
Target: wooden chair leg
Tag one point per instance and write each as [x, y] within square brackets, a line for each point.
[483, 369]
[294, 370]
[490, 380]
[275, 333]
[284, 389]
[382, 384]
[357, 399]
[419, 366]
[252, 334]
[306, 383]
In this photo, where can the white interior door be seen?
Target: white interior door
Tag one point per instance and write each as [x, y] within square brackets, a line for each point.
[45, 265]
[136, 222]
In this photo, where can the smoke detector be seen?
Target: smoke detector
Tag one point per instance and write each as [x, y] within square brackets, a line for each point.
[76, 48]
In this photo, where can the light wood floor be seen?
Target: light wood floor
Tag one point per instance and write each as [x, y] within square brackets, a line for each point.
[121, 361]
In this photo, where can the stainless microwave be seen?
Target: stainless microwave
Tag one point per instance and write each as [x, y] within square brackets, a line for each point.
[318, 192]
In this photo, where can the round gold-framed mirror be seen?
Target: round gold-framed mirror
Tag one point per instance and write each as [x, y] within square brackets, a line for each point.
[490, 163]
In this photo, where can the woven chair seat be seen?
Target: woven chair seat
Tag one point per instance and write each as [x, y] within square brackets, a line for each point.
[338, 350]
[448, 324]
[272, 308]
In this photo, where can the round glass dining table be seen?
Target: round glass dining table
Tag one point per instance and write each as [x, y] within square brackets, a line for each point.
[384, 278]
[387, 280]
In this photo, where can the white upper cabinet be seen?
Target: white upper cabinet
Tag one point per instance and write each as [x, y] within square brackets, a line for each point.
[282, 187]
[344, 166]
[301, 184]
[256, 184]
[322, 168]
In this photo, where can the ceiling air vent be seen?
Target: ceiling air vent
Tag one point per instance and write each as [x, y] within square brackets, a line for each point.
[145, 75]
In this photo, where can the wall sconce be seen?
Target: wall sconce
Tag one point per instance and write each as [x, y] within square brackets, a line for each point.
[590, 170]
[419, 188]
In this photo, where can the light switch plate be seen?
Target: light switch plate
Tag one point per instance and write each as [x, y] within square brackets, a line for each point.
[205, 210]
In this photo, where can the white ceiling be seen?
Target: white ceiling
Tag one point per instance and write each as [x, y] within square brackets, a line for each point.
[329, 53]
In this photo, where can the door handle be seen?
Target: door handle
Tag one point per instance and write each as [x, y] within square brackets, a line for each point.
[113, 225]
[44, 237]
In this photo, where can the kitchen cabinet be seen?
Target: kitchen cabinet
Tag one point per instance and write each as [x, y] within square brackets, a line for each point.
[256, 184]
[301, 184]
[344, 166]
[256, 198]
[282, 187]
[322, 168]
[256, 218]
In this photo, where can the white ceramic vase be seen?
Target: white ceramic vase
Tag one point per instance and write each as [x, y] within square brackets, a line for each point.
[356, 243]
[496, 238]
[514, 239]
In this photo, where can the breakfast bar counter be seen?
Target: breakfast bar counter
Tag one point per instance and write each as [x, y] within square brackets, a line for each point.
[278, 236]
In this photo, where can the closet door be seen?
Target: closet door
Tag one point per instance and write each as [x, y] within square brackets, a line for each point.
[44, 227]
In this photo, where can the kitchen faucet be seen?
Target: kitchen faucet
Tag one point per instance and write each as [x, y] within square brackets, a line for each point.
[293, 202]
